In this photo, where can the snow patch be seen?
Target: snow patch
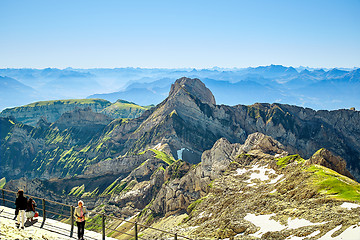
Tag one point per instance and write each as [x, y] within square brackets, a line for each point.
[349, 205]
[300, 222]
[265, 223]
[157, 147]
[191, 228]
[180, 152]
[201, 215]
[262, 174]
[351, 233]
[241, 171]
[314, 234]
[269, 225]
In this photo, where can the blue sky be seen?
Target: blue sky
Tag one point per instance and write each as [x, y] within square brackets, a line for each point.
[171, 34]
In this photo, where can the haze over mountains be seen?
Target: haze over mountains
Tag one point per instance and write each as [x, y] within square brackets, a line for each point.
[314, 88]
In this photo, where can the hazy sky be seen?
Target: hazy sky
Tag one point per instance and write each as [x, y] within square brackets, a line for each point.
[201, 34]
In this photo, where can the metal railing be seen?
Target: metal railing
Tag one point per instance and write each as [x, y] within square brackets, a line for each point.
[98, 222]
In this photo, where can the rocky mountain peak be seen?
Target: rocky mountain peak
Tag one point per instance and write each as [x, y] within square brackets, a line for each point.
[262, 142]
[327, 159]
[194, 87]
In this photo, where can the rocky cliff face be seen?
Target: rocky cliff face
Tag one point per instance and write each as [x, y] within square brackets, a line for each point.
[184, 121]
[51, 111]
[49, 150]
[81, 118]
[187, 123]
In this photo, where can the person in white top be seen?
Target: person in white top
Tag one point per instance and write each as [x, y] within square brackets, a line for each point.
[79, 214]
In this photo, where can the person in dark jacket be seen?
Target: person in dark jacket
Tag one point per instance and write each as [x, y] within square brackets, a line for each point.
[16, 209]
[21, 203]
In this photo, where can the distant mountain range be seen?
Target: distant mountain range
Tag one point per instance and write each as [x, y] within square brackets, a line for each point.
[315, 88]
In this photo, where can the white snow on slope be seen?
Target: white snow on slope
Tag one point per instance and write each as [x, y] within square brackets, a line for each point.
[262, 174]
[349, 206]
[269, 225]
[265, 223]
[351, 233]
[180, 152]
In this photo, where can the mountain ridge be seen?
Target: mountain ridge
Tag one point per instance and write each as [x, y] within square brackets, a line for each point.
[183, 123]
[52, 110]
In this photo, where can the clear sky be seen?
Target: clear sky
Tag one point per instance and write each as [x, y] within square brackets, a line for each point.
[171, 34]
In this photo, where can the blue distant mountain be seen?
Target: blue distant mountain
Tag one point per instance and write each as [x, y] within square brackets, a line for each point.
[307, 87]
[13, 93]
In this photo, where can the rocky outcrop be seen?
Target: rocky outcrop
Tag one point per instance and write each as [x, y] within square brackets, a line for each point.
[325, 158]
[263, 143]
[193, 87]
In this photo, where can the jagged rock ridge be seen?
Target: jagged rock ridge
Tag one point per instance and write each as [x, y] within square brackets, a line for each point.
[184, 125]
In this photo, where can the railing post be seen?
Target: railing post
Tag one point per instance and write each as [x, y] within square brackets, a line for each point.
[136, 231]
[72, 220]
[103, 226]
[175, 236]
[44, 213]
[3, 195]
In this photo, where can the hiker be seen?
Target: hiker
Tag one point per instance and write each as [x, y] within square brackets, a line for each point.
[16, 209]
[21, 203]
[79, 214]
[30, 209]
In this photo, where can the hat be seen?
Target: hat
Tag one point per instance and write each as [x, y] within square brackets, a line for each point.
[80, 201]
